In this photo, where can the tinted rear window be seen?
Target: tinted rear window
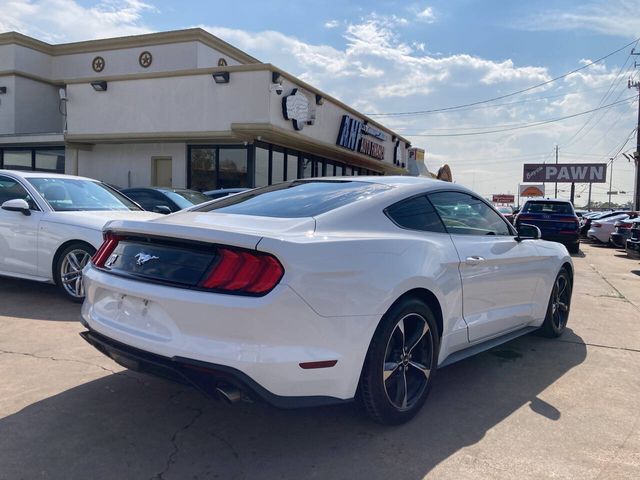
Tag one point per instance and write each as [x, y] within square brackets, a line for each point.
[296, 199]
[562, 208]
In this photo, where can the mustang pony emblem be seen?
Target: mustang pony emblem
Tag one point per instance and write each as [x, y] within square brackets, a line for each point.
[142, 258]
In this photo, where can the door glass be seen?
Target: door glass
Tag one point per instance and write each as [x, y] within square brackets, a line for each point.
[464, 214]
[262, 167]
[233, 168]
[277, 166]
[292, 166]
[203, 169]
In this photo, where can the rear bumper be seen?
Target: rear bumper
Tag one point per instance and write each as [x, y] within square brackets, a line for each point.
[566, 239]
[618, 239]
[599, 234]
[265, 338]
[633, 249]
[202, 375]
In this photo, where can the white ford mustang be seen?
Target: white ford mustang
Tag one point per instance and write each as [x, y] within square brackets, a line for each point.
[51, 224]
[316, 291]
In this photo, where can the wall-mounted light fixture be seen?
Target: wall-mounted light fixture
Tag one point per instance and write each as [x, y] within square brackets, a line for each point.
[319, 99]
[221, 77]
[3, 90]
[99, 86]
[393, 139]
[276, 77]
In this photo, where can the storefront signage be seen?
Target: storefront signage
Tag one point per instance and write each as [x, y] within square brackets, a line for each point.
[565, 172]
[374, 132]
[295, 107]
[533, 190]
[503, 198]
[351, 137]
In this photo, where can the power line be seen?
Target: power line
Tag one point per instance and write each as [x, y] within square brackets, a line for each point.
[520, 126]
[533, 87]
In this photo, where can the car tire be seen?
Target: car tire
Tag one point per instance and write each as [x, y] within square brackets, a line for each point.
[400, 363]
[67, 270]
[559, 306]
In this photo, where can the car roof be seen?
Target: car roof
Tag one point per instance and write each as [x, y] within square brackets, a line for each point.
[29, 174]
[541, 200]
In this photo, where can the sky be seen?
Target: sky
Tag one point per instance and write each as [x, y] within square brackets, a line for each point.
[393, 57]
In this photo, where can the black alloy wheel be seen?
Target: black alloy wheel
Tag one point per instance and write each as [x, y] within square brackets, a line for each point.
[559, 306]
[400, 363]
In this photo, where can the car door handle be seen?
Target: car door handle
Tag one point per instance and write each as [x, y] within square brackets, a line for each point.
[474, 260]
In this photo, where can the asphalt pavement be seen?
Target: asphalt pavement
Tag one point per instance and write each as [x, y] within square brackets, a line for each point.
[530, 409]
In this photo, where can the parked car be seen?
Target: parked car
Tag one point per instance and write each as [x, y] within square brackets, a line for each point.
[602, 228]
[556, 220]
[586, 225]
[633, 242]
[622, 230]
[314, 291]
[164, 199]
[507, 212]
[51, 225]
[224, 192]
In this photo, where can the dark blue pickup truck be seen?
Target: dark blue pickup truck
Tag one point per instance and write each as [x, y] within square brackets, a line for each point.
[556, 219]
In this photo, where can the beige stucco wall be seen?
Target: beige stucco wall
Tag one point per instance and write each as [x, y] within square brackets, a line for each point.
[117, 163]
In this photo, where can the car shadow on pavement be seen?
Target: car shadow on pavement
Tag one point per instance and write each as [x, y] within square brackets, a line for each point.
[130, 426]
[35, 301]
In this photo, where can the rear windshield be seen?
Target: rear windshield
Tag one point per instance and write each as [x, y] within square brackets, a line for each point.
[186, 198]
[296, 199]
[562, 208]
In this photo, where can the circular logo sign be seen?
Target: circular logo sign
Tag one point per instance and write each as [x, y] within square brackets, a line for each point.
[145, 59]
[98, 64]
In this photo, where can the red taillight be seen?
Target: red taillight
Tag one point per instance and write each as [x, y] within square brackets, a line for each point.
[244, 271]
[625, 225]
[106, 249]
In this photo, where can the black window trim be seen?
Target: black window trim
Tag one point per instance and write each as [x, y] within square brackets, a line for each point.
[33, 150]
[510, 227]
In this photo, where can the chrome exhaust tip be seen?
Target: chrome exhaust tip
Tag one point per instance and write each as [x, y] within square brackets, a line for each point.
[229, 395]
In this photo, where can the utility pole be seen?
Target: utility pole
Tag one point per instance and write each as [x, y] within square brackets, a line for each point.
[610, 182]
[556, 164]
[589, 202]
[636, 155]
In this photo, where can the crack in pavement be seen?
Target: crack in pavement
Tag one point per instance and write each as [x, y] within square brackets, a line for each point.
[601, 275]
[171, 459]
[72, 360]
[610, 347]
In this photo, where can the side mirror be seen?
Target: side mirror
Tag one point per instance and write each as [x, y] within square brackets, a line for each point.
[17, 205]
[163, 209]
[528, 232]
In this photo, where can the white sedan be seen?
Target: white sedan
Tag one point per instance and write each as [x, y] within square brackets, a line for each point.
[315, 291]
[601, 230]
[51, 224]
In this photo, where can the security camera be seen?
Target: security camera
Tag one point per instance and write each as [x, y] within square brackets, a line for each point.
[62, 93]
[277, 88]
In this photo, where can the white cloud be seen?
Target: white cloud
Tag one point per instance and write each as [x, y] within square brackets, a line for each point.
[68, 20]
[332, 24]
[426, 15]
[614, 17]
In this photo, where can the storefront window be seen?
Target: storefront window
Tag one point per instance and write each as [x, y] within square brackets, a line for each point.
[319, 168]
[52, 160]
[49, 159]
[19, 160]
[277, 166]
[232, 169]
[203, 169]
[262, 167]
[292, 166]
[306, 167]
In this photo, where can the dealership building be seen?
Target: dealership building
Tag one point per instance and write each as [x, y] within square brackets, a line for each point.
[181, 109]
